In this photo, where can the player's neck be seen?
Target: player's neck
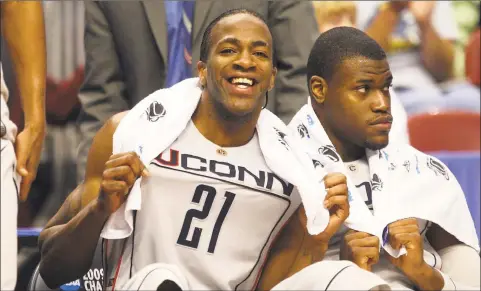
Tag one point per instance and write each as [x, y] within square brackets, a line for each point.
[347, 151]
[230, 132]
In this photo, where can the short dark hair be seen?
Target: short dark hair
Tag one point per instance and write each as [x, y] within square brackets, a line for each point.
[207, 37]
[336, 45]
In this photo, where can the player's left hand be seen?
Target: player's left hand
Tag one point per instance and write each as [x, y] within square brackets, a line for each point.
[405, 233]
[28, 148]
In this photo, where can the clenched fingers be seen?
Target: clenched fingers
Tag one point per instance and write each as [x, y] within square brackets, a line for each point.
[121, 173]
[131, 159]
[406, 221]
[354, 234]
[404, 229]
[339, 189]
[337, 195]
[115, 187]
[365, 256]
[409, 240]
[369, 241]
[333, 179]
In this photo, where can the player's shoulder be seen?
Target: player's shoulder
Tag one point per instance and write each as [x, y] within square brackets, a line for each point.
[115, 120]
[112, 124]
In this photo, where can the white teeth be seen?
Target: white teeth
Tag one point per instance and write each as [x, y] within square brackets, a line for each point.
[243, 81]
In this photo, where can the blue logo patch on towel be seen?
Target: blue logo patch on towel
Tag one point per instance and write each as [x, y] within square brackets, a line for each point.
[310, 121]
[417, 165]
[349, 195]
[386, 156]
[385, 236]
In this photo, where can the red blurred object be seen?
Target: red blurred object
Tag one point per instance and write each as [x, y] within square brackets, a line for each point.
[445, 131]
[61, 99]
[472, 60]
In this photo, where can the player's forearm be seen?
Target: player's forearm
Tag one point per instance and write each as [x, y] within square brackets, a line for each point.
[23, 30]
[427, 278]
[283, 254]
[383, 25]
[293, 250]
[67, 250]
[437, 54]
[311, 252]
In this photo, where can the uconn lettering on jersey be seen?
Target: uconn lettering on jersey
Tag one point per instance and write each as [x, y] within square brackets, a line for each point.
[193, 163]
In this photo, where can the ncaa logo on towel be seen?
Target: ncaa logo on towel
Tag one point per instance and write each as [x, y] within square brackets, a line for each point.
[155, 111]
[392, 167]
[72, 286]
[302, 129]
[330, 152]
[376, 183]
[3, 129]
[437, 168]
[281, 138]
[316, 164]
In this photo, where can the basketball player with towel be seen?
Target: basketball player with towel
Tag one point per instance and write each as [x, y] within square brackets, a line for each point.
[201, 212]
[345, 126]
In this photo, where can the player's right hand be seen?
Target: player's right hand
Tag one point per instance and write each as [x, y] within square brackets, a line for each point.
[337, 202]
[120, 173]
[360, 248]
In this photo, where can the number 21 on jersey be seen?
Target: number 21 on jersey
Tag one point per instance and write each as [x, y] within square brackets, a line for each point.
[210, 193]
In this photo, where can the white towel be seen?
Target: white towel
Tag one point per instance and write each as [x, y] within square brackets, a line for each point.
[405, 182]
[155, 123]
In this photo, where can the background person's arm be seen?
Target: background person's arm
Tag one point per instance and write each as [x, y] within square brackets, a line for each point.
[437, 52]
[24, 32]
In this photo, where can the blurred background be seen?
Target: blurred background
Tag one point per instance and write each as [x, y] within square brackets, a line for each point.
[436, 80]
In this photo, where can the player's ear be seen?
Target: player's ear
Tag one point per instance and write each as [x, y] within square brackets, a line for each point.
[273, 78]
[202, 72]
[318, 89]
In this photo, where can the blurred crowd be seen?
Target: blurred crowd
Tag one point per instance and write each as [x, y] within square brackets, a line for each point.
[104, 57]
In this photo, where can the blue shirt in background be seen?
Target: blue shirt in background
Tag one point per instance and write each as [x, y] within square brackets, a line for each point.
[179, 41]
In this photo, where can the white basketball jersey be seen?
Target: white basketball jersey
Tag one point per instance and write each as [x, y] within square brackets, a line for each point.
[211, 211]
[8, 128]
